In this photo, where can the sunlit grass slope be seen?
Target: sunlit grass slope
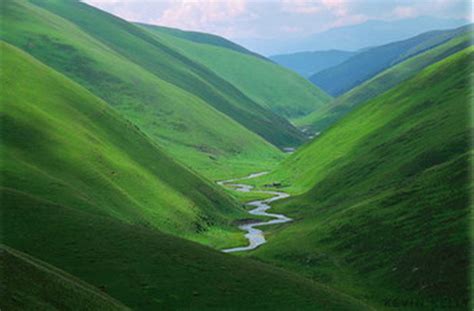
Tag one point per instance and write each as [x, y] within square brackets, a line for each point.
[267, 83]
[63, 144]
[190, 129]
[383, 209]
[86, 192]
[326, 116]
[202, 37]
[30, 284]
[162, 60]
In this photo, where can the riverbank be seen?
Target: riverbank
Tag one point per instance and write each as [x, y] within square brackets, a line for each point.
[256, 236]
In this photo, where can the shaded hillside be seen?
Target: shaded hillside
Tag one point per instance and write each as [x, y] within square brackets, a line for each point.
[141, 48]
[85, 191]
[266, 83]
[66, 146]
[148, 270]
[383, 210]
[325, 117]
[363, 66]
[191, 130]
[309, 63]
[204, 38]
[28, 283]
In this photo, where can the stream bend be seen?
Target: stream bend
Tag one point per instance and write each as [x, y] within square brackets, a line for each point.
[255, 236]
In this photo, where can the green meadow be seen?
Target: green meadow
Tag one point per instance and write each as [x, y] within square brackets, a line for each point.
[33, 284]
[199, 135]
[116, 139]
[268, 84]
[61, 143]
[321, 119]
[67, 159]
[381, 205]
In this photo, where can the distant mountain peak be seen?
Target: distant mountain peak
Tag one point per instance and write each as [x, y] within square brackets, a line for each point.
[355, 37]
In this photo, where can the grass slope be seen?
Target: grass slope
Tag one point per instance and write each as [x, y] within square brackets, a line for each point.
[63, 144]
[190, 129]
[204, 38]
[162, 60]
[363, 66]
[309, 63]
[30, 284]
[266, 83]
[384, 196]
[322, 118]
[86, 192]
[148, 270]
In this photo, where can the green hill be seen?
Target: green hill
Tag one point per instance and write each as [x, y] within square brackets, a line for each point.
[383, 204]
[63, 144]
[265, 82]
[309, 63]
[85, 191]
[363, 66]
[201, 37]
[322, 118]
[147, 51]
[30, 284]
[191, 129]
[148, 270]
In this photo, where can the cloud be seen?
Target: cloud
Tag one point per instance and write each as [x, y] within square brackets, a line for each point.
[300, 6]
[347, 20]
[262, 19]
[290, 29]
[336, 7]
[201, 14]
[337, 12]
[404, 12]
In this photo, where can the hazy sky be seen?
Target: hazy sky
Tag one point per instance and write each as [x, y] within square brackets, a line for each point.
[237, 19]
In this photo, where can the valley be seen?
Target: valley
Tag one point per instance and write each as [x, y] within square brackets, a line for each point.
[146, 167]
[256, 236]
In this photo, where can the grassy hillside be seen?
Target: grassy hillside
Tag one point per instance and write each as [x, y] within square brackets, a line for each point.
[190, 129]
[63, 144]
[383, 209]
[363, 66]
[30, 284]
[266, 83]
[309, 63]
[85, 191]
[204, 38]
[148, 270]
[147, 51]
[326, 116]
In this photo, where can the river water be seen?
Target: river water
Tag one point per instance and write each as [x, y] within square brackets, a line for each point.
[256, 236]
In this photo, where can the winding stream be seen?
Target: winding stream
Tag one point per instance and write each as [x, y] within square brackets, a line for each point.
[255, 236]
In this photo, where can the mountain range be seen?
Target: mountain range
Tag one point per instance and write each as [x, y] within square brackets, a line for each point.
[339, 79]
[365, 86]
[310, 63]
[354, 37]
